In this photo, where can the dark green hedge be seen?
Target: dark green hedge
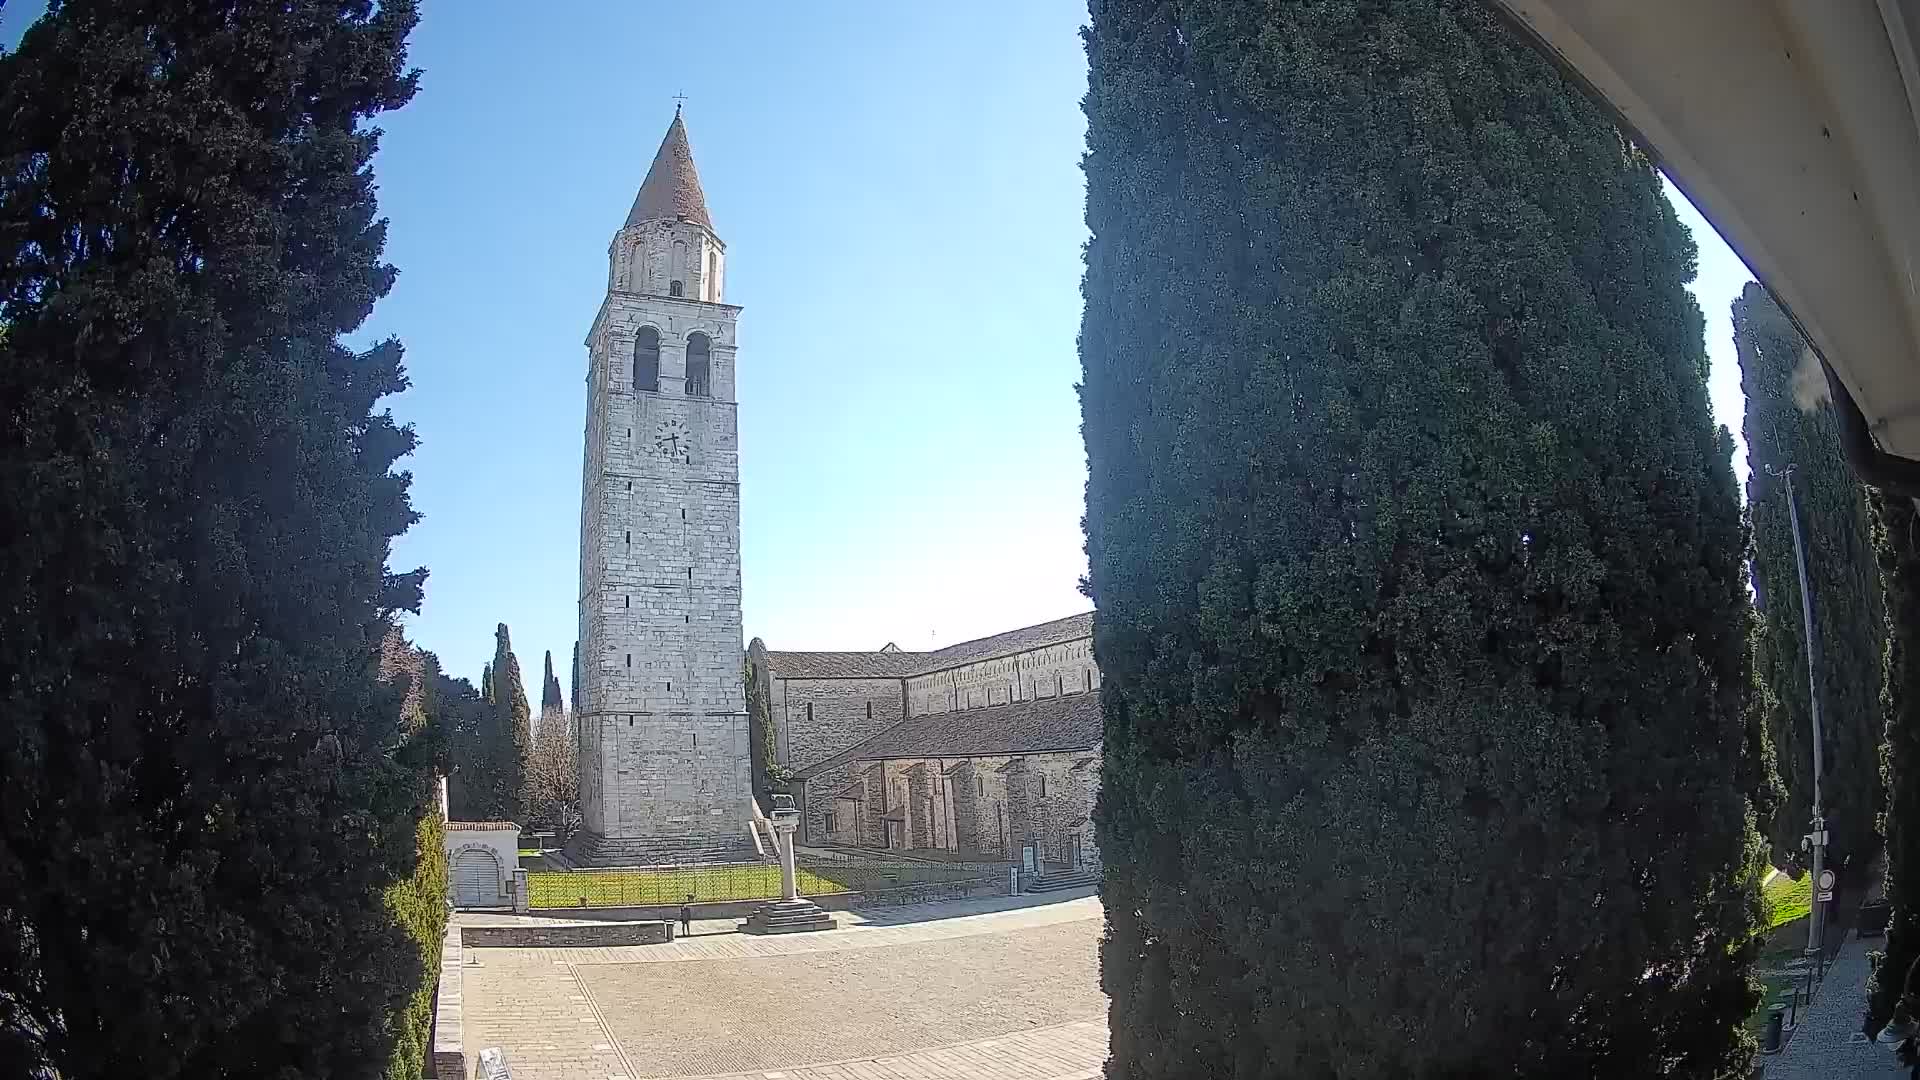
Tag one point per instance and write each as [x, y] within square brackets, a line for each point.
[1417, 557]
[1849, 617]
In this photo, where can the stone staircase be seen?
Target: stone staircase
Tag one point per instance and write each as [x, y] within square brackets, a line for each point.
[1057, 880]
[588, 850]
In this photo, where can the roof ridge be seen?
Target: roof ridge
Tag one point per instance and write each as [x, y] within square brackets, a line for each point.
[1004, 633]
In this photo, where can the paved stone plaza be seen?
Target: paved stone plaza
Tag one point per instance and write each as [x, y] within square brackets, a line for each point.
[1002, 988]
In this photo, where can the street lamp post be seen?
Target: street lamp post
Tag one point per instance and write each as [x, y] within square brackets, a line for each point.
[1816, 841]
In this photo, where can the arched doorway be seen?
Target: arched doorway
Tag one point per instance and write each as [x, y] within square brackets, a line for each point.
[476, 879]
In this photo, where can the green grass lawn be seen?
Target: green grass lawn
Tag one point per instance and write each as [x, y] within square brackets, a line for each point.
[636, 888]
[1785, 900]
[1785, 907]
[624, 888]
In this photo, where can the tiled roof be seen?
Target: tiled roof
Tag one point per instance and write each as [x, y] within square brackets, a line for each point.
[1071, 628]
[843, 665]
[672, 187]
[1071, 722]
[894, 664]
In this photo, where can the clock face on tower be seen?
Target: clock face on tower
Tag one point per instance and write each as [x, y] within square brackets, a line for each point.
[671, 440]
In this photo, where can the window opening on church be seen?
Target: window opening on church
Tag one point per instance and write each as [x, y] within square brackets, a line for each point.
[1089, 674]
[629, 536]
[669, 684]
[699, 366]
[676, 288]
[626, 601]
[809, 712]
[629, 664]
[713, 277]
[683, 513]
[1059, 685]
[980, 784]
[646, 362]
[869, 710]
[1043, 787]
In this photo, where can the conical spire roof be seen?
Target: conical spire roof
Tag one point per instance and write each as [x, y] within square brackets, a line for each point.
[672, 188]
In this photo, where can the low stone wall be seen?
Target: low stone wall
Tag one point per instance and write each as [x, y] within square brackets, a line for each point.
[449, 1061]
[583, 935]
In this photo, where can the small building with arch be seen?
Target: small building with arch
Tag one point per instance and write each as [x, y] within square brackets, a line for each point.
[481, 859]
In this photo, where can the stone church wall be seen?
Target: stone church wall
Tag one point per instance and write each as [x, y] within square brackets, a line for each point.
[1064, 668]
[815, 719]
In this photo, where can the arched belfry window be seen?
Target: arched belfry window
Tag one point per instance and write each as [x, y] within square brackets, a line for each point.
[676, 288]
[699, 366]
[646, 360]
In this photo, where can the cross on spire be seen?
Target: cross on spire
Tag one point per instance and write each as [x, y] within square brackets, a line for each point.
[679, 100]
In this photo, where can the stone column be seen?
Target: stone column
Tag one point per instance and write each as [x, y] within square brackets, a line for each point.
[784, 824]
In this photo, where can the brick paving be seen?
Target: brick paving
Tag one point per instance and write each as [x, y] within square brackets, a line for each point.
[1001, 989]
[1828, 1043]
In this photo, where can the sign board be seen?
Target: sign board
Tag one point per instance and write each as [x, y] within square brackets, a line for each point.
[1826, 881]
[1825, 896]
[1030, 857]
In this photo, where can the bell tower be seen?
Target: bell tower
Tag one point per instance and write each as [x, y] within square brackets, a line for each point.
[662, 720]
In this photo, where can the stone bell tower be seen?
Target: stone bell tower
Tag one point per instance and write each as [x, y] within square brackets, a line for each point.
[662, 719]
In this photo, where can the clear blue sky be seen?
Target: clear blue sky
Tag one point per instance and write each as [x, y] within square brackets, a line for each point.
[898, 186]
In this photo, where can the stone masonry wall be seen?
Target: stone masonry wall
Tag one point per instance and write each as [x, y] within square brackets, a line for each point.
[1038, 673]
[814, 719]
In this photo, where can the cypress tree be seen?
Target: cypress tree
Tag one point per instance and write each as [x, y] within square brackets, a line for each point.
[1417, 560]
[511, 742]
[1786, 428]
[1899, 555]
[467, 719]
[205, 789]
[550, 702]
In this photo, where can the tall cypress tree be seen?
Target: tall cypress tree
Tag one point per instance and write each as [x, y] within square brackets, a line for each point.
[512, 741]
[207, 790]
[1785, 429]
[1417, 557]
[550, 702]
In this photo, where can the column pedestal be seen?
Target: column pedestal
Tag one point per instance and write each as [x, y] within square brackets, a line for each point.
[792, 913]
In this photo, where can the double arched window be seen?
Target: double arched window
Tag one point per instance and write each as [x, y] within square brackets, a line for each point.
[646, 360]
[699, 366]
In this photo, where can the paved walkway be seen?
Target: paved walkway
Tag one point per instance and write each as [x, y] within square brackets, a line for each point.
[1004, 987]
[1828, 1044]
[1067, 1052]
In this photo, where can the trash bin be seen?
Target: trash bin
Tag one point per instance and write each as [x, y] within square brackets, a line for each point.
[1776, 1020]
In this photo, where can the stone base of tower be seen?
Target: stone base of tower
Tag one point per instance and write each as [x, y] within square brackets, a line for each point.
[591, 850]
